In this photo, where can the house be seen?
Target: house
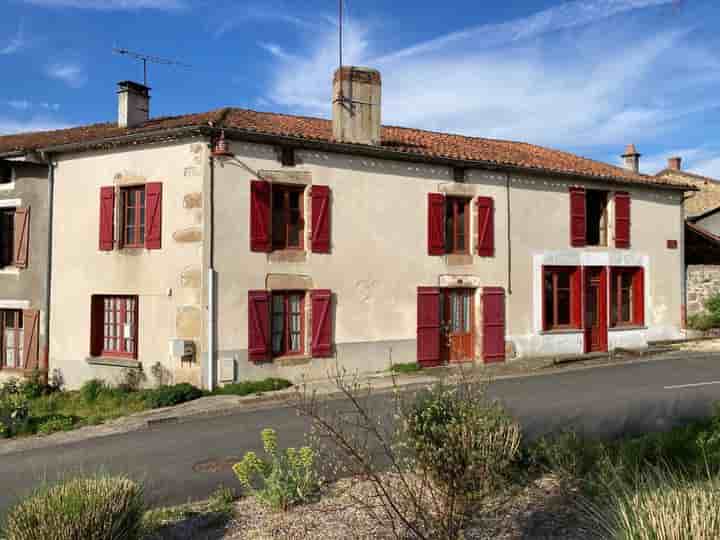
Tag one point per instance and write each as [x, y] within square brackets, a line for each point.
[236, 244]
[24, 266]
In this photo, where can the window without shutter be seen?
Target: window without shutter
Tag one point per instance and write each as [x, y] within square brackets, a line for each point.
[321, 323]
[428, 326]
[577, 217]
[436, 224]
[321, 219]
[107, 218]
[260, 238]
[486, 227]
[622, 220]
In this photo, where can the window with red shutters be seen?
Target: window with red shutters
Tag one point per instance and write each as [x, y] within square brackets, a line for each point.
[486, 226]
[153, 213]
[7, 236]
[114, 326]
[627, 297]
[132, 204]
[428, 326]
[622, 220]
[436, 224]
[577, 217]
[107, 218]
[288, 323]
[457, 225]
[322, 332]
[562, 297]
[320, 219]
[287, 217]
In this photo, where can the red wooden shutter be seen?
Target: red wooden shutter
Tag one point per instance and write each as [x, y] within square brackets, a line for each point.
[321, 323]
[428, 326]
[493, 306]
[153, 215]
[31, 325]
[321, 219]
[107, 217]
[97, 322]
[486, 226]
[639, 297]
[576, 296]
[577, 217]
[436, 224]
[622, 219]
[22, 237]
[260, 239]
[258, 325]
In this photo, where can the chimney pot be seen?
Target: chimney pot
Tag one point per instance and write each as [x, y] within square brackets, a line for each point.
[632, 158]
[675, 163]
[133, 104]
[357, 96]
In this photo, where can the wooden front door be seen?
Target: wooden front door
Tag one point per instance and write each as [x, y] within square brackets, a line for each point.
[458, 325]
[596, 329]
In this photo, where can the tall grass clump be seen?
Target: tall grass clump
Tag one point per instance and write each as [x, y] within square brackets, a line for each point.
[88, 508]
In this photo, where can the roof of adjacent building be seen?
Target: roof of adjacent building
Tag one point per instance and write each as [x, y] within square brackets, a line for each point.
[705, 199]
[399, 141]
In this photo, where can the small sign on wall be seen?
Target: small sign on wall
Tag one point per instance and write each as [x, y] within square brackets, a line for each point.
[672, 244]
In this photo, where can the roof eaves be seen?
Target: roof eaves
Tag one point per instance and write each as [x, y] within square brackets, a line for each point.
[703, 232]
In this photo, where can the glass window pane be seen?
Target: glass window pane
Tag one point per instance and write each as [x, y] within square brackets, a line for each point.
[626, 305]
[563, 280]
[466, 312]
[295, 200]
[277, 343]
[130, 235]
[10, 358]
[563, 299]
[460, 227]
[141, 197]
[549, 299]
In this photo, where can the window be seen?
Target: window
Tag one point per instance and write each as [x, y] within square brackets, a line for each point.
[287, 217]
[133, 216]
[596, 218]
[7, 236]
[11, 339]
[457, 225]
[627, 297]
[287, 323]
[117, 325]
[6, 173]
[589, 218]
[561, 298]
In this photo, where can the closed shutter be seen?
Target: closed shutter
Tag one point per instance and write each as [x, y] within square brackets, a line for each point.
[260, 239]
[493, 312]
[107, 218]
[622, 219]
[258, 325]
[428, 326]
[153, 215]
[486, 227]
[22, 237]
[321, 323]
[577, 217]
[576, 298]
[436, 224]
[321, 219]
[639, 297]
[97, 322]
[31, 325]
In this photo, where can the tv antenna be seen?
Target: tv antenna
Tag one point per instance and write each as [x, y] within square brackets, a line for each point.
[145, 58]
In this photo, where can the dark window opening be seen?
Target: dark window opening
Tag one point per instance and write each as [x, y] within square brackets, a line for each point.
[459, 174]
[457, 225]
[287, 156]
[287, 217]
[7, 236]
[287, 323]
[626, 297]
[560, 298]
[6, 173]
[596, 218]
[133, 215]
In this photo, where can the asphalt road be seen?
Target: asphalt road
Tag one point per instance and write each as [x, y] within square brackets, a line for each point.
[187, 461]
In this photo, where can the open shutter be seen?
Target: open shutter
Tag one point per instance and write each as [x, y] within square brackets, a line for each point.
[576, 297]
[639, 297]
[428, 326]
[321, 219]
[321, 323]
[436, 224]
[486, 227]
[622, 219]
[107, 217]
[260, 239]
[31, 327]
[153, 215]
[258, 325]
[577, 217]
[493, 311]
[97, 314]
[22, 237]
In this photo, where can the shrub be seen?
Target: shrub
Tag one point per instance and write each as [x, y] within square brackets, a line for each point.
[14, 408]
[167, 396]
[286, 479]
[33, 387]
[569, 455]
[701, 321]
[410, 367]
[91, 508]
[56, 423]
[247, 388]
[91, 390]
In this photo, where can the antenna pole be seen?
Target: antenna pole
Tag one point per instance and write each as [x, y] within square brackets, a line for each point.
[340, 6]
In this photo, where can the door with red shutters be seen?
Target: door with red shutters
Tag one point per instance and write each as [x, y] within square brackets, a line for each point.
[457, 343]
[493, 323]
[595, 300]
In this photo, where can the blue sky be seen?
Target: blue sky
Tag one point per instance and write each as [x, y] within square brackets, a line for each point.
[588, 76]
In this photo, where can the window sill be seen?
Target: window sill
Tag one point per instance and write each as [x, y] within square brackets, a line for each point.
[627, 327]
[292, 360]
[288, 255]
[112, 361]
[9, 271]
[7, 186]
[562, 331]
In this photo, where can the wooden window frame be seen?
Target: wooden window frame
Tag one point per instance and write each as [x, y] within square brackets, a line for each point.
[451, 243]
[616, 275]
[120, 320]
[140, 222]
[285, 346]
[18, 338]
[286, 190]
[7, 238]
[574, 273]
[603, 232]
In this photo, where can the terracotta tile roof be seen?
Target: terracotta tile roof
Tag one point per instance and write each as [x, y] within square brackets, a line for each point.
[425, 144]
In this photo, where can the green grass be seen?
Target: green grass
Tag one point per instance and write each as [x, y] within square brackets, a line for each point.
[410, 367]
[248, 388]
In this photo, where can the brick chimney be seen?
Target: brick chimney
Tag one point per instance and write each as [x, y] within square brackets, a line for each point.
[675, 163]
[357, 93]
[631, 157]
[133, 104]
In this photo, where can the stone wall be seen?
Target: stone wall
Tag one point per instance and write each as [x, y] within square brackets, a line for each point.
[703, 281]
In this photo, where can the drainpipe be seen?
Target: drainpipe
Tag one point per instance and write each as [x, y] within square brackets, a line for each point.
[211, 277]
[683, 268]
[509, 236]
[45, 357]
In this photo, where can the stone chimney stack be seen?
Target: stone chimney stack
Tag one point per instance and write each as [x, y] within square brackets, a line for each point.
[133, 104]
[632, 158]
[357, 93]
[675, 163]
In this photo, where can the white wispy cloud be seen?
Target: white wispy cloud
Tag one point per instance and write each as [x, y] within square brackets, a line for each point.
[112, 5]
[16, 43]
[269, 11]
[26, 105]
[70, 73]
[8, 126]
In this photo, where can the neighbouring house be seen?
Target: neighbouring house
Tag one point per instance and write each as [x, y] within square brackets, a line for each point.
[237, 244]
[24, 266]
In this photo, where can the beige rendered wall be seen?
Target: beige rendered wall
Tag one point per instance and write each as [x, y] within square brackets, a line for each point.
[168, 281]
[379, 257]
